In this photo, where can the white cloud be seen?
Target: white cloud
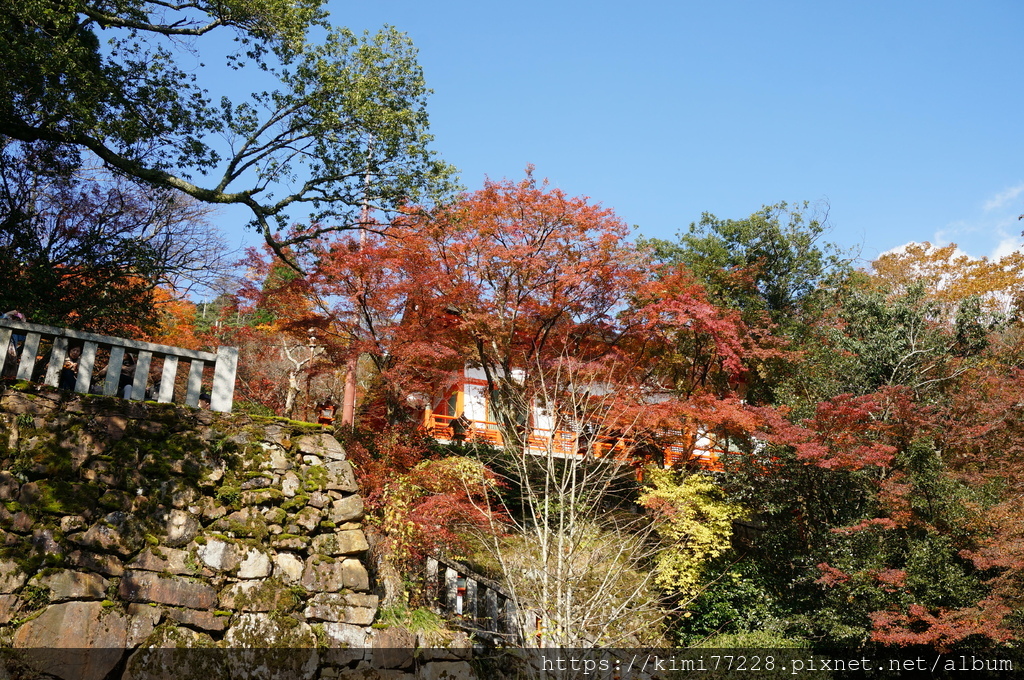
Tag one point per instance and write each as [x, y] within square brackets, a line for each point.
[1007, 245]
[992, 231]
[1003, 198]
[936, 243]
[943, 237]
[992, 236]
[898, 249]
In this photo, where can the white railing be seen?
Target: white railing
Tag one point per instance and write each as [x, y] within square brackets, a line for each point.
[224, 361]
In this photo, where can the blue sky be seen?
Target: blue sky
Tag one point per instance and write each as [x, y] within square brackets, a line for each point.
[905, 118]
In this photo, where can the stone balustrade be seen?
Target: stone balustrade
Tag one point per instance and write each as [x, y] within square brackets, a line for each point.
[113, 351]
[479, 604]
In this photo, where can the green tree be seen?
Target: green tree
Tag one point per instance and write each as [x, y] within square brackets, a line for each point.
[865, 339]
[877, 497]
[346, 125]
[769, 262]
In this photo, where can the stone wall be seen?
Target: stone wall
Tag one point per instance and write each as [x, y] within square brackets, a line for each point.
[129, 525]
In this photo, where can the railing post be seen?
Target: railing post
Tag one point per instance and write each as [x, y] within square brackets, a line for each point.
[224, 379]
[491, 609]
[85, 366]
[114, 371]
[5, 342]
[141, 376]
[195, 383]
[170, 369]
[58, 353]
[28, 356]
[451, 590]
[469, 603]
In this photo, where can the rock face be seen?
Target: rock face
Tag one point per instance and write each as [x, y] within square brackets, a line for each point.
[77, 626]
[128, 526]
[178, 591]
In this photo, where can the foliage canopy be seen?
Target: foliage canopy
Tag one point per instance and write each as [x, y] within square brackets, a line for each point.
[344, 126]
[88, 250]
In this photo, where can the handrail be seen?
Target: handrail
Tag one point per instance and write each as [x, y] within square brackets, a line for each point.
[224, 360]
[560, 441]
[565, 442]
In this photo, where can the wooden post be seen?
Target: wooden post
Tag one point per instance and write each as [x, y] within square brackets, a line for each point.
[348, 404]
[510, 618]
[491, 609]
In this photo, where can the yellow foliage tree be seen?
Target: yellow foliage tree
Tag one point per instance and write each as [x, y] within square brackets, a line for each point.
[694, 521]
[950, 276]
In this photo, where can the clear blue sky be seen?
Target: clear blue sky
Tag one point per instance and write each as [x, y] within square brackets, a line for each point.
[905, 117]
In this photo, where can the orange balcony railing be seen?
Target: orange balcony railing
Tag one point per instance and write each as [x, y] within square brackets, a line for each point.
[569, 443]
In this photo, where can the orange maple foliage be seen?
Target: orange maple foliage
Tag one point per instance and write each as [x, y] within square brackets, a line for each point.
[177, 322]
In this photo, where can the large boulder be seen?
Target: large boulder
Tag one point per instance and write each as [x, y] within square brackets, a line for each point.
[347, 509]
[330, 576]
[72, 585]
[262, 595]
[336, 607]
[255, 564]
[348, 542]
[255, 630]
[166, 560]
[118, 533]
[345, 635]
[180, 527]
[340, 477]
[11, 576]
[147, 586]
[218, 555]
[321, 445]
[288, 567]
[83, 640]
